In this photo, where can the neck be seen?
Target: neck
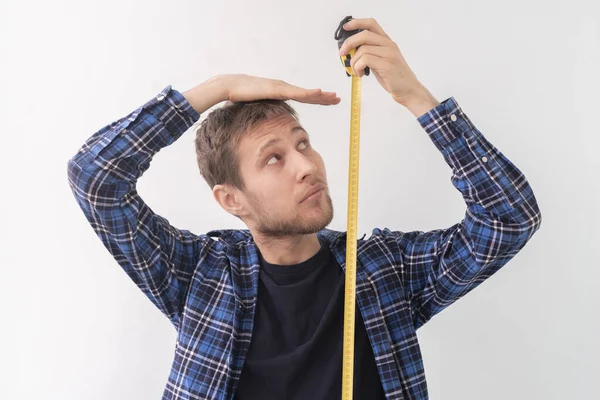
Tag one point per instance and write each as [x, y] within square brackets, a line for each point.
[287, 250]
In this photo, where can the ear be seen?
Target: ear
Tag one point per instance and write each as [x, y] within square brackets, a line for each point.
[228, 198]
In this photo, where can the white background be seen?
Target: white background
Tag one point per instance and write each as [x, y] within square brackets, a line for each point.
[526, 73]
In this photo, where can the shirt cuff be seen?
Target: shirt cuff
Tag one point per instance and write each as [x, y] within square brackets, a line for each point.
[173, 110]
[445, 122]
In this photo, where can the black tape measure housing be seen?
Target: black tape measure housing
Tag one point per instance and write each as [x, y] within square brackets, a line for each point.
[341, 35]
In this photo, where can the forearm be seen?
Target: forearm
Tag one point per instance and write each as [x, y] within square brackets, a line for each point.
[207, 94]
[489, 182]
[420, 101]
[158, 257]
[115, 156]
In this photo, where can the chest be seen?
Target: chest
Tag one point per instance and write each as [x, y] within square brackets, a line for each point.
[220, 312]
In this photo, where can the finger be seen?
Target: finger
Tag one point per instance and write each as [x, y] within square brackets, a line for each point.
[322, 101]
[379, 51]
[325, 99]
[287, 91]
[362, 38]
[312, 96]
[331, 102]
[297, 91]
[367, 24]
[374, 62]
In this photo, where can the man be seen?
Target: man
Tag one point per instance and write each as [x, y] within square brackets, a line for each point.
[259, 312]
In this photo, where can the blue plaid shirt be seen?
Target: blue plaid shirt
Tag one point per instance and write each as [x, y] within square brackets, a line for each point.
[206, 284]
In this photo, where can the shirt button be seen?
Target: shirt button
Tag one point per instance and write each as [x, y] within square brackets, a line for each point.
[160, 97]
[453, 117]
[484, 159]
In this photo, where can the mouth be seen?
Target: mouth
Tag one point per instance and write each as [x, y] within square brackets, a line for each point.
[314, 193]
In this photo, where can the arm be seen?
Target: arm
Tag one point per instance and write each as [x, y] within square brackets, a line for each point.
[158, 257]
[440, 266]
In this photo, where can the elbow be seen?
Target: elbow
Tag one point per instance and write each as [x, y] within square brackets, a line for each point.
[528, 227]
[73, 173]
[533, 218]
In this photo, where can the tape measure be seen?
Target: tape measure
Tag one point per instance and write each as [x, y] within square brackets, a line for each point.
[350, 284]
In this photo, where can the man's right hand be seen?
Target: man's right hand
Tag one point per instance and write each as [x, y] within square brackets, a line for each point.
[241, 87]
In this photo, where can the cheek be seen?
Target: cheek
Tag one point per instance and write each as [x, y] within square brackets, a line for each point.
[273, 193]
[318, 157]
[321, 163]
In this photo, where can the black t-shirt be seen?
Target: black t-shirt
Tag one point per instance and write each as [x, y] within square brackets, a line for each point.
[297, 341]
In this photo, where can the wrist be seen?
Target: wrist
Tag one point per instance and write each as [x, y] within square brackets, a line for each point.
[419, 101]
[218, 85]
[207, 94]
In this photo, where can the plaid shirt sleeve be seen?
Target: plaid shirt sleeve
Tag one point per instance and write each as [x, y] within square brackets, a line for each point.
[440, 266]
[158, 257]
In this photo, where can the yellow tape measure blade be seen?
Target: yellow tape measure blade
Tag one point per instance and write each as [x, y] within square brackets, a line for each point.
[351, 239]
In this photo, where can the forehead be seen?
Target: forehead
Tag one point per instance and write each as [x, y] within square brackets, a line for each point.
[265, 133]
[278, 125]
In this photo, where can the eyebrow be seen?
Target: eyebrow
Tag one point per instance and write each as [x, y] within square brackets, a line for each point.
[271, 142]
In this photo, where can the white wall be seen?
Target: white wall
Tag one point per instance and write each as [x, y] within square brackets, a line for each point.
[525, 72]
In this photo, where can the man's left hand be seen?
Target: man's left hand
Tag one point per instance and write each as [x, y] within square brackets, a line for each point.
[382, 55]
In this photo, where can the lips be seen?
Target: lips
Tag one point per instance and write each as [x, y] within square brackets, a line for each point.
[312, 191]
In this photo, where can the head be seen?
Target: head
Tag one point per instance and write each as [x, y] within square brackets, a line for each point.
[260, 164]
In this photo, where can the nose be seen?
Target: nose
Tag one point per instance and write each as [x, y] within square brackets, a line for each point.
[305, 167]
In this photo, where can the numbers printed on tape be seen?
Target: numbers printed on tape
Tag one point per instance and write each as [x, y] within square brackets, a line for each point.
[351, 238]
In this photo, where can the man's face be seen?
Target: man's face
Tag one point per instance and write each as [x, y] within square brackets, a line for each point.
[280, 167]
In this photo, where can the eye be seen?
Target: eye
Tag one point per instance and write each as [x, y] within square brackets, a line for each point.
[305, 141]
[277, 155]
[270, 158]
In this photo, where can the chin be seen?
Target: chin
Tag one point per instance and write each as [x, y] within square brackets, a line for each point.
[320, 216]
